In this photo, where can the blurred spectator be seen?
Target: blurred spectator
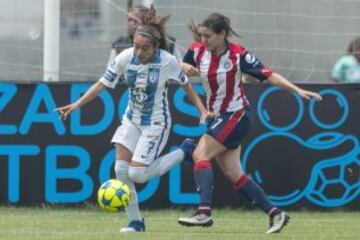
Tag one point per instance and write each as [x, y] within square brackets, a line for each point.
[79, 16]
[347, 68]
[135, 18]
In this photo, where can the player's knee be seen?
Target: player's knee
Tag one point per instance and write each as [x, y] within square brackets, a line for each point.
[138, 174]
[198, 155]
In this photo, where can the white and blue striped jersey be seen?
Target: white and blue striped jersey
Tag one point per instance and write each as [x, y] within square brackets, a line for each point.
[148, 84]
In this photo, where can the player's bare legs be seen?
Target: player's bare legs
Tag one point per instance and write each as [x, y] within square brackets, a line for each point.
[206, 150]
[229, 163]
[130, 171]
[123, 153]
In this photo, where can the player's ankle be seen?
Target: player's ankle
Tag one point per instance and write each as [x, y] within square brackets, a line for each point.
[274, 211]
[204, 209]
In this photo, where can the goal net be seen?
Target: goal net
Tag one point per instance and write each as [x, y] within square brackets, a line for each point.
[299, 39]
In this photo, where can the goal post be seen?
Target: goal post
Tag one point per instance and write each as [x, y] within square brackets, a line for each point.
[51, 40]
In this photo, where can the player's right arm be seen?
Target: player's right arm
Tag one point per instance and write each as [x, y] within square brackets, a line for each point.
[189, 65]
[108, 79]
[91, 93]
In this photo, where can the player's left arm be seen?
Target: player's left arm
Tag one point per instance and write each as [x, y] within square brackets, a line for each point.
[282, 82]
[251, 65]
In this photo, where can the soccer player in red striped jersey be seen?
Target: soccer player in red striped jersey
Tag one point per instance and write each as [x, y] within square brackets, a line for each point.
[220, 64]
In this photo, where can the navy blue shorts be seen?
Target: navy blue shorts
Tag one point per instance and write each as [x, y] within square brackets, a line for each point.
[230, 128]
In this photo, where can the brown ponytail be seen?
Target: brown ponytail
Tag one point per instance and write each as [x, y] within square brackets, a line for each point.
[216, 22]
[154, 28]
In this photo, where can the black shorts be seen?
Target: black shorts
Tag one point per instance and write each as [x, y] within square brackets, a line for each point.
[230, 128]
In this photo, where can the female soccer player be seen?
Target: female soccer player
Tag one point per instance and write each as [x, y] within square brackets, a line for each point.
[145, 127]
[220, 64]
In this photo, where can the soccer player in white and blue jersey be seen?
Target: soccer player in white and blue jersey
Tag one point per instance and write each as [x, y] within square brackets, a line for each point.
[145, 127]
[220, 64]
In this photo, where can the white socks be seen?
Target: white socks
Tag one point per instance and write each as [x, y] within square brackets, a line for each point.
[159, 167]
[121, 171]
[129, 175]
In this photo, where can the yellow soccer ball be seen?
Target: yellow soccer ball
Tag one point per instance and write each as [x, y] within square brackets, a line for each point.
[113, 195]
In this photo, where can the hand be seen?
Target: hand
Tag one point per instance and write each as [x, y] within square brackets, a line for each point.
[308, 95]
[66, 110]
[190, 70]
[205, 116]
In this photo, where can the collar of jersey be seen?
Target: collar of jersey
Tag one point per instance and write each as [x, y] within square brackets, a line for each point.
[222, 54]
[154, 60]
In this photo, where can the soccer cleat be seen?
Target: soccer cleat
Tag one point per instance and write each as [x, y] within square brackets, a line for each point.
[200, 219]
[134, 226]
[278, 222]
[188, 146]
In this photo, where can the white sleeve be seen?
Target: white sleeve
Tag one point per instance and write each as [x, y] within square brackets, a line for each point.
[175, 72]
[115, 69]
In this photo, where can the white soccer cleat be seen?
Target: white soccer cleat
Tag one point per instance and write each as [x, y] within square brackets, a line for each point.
[198, 219]
[127, 230]
[278, 222]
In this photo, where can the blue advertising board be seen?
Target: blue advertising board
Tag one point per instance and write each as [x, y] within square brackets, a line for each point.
[302, 153]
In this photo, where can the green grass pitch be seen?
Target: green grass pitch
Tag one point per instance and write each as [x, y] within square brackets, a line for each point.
[89, 223]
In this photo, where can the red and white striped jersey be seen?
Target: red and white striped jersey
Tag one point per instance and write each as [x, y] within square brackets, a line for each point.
[221, 76]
